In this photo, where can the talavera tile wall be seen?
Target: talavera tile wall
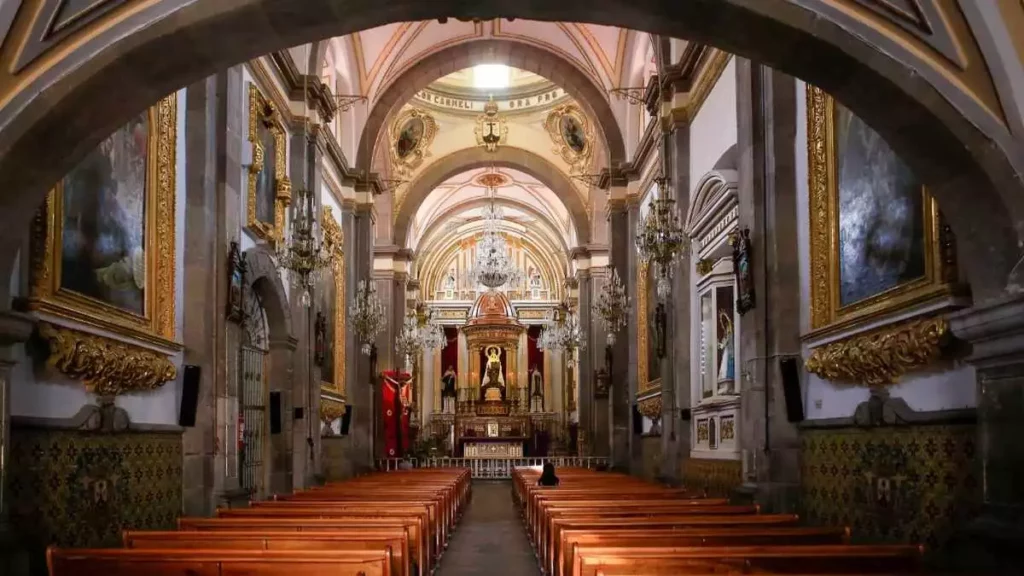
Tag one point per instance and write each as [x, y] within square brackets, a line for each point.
[74, 488]
[718, 477]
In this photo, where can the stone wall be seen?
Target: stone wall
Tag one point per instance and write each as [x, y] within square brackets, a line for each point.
[650, 454]
[335, 466]
[718, 477]
[913, 484]
[77, 488]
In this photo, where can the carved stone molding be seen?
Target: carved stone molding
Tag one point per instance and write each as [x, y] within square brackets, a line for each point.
[107, 367]
[882, 356]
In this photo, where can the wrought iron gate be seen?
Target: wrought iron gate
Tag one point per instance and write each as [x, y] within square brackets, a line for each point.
[252, 396]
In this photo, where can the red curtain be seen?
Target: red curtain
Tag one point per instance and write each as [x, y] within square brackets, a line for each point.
[450, 352]
[534, 355]
[396, 395]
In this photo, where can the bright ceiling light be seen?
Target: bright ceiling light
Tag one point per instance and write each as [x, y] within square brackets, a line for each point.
[491, 76]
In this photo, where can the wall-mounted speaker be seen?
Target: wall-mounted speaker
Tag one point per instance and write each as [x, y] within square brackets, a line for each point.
[346, 419]
[298, 413]
[790, 371]
[275, 412]
[638, 421]
[189, 396]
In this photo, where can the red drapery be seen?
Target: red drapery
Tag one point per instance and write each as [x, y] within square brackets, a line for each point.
[396, 397]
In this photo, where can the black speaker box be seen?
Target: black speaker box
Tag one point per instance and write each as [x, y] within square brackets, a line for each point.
[189, 396]
[790, 371]
[275, 412]
[638, 421]
[346, 419]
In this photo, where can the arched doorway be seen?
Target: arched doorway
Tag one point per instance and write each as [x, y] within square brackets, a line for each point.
[253, 396]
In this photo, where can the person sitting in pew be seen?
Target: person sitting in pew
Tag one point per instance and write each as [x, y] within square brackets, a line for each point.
[547, 476]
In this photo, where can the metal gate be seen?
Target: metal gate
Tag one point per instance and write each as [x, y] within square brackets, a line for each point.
[252, 396]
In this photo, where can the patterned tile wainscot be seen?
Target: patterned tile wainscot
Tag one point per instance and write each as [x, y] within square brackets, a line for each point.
[76, 488]
[911, 484]
[718, 477]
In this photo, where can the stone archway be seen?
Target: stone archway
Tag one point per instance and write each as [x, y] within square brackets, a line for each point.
[505, 157]
[264, 280]
[943, 89]
[523, 56]
[441, 219]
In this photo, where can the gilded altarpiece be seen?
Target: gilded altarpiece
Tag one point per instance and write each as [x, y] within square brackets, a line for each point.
[878, 248]
[269, 189]
[332, 305]
[103, 256]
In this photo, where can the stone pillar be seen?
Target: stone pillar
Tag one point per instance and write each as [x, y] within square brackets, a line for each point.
[620, 393]
[766, 112]
[995, 330]
[361, 383]
[14, 330]
[585, 374]
[633, 326]
[602, 437]
[675, 367]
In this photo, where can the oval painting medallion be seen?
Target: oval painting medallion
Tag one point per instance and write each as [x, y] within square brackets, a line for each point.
[409, 137]
[572, 133]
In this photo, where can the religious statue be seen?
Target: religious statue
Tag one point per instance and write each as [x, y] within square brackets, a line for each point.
[448, 391]
[727, 366]
[536, 390]
[740, 242]
[535, 284]
[493, 384]
[449, 285]
[320, 339]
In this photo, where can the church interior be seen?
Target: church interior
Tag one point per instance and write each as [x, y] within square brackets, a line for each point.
[747, 275]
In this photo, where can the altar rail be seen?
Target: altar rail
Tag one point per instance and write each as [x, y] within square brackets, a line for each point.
[493, 468]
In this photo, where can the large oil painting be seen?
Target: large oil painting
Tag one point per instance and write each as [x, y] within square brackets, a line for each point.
[876, 240]
[266, 189]
[104, 220]
[881, 213]
[269, 189]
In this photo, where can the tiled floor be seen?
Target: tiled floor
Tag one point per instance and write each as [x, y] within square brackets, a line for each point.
[490, 539]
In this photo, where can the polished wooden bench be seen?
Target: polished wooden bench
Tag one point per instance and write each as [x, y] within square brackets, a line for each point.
[692, 537]
[394, 540]
[823, 559]
[201, 562]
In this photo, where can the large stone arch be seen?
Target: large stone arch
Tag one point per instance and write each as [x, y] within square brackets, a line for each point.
[265, 279]
[938, 88]
[468, 54]
[442, 219]
[505, 157]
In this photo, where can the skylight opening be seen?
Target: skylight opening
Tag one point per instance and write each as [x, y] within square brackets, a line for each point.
[491, 76]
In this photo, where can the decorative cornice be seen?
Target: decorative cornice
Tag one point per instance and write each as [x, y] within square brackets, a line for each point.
[882, 356]
[650, 407]
[331, 409]
[107, 367]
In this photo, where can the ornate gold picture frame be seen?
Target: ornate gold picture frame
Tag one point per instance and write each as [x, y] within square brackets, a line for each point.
[263, 112]
[411, 133]
[573, 136]
[154, 319]
[828, 314]
[334, 243]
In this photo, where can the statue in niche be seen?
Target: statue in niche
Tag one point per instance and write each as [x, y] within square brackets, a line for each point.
[493, 385]
[536, 390]
[320, 339]
[535, 284]
[740, 242]
[448, 392]
[727, 365]
[449, 285]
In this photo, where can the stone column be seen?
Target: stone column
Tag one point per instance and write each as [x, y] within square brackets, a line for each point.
[585, 374]
[675, 367]
[620, 393]
[766, 111]
[995, 330]
[633, 326]
[361, 385]
[602, 438]
[14, 330]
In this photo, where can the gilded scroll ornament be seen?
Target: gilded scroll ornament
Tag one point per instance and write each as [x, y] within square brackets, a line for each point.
[642, 369]
[107, 367]
[269, 189]
[334, 242]
[412, 132]
[491, 129]
[331, 409]
[650, 408]
[881, 357]
[572, 135]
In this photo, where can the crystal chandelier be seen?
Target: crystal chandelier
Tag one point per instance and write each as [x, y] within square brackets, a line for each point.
[612, 306]
[366, 315]
[660, 238]
[492, 267]
[419, 333]
[566, 335]
[305, 256]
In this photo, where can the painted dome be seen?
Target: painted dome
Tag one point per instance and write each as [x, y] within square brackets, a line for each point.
[492, 307]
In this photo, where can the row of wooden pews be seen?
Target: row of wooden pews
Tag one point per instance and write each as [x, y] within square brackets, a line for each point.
[607, 524]
[387, 524]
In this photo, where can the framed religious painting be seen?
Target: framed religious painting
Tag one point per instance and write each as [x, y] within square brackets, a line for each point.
[269, 189]
[878, 243]
[236, 283]
[331, 319]
[573, 136]
[103, 243]
[412, 132]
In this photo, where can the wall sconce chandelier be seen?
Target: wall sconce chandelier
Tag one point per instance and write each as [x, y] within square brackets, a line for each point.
[660, 238]
[612, 306]
[366, 315]
[304, 256]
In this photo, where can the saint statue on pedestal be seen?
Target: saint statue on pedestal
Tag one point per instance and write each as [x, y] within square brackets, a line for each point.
[448, 391]
[536, 390]
[727, 366]
[493, 384]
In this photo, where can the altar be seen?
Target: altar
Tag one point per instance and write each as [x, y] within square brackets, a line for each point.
[498, 447]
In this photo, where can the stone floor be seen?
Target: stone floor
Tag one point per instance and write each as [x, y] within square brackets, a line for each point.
[490, 539]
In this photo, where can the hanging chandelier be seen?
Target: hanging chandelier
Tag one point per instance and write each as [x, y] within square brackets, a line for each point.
[660, 238]
[419, 333]
[567, 334]
[304, 257]
[366, 315]
[612, 306]
[493, 267]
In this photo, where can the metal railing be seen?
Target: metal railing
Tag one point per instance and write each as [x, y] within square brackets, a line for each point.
[491, 468]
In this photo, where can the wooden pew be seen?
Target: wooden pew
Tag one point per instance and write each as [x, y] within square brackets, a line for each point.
[133, 562]
[393, 540]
